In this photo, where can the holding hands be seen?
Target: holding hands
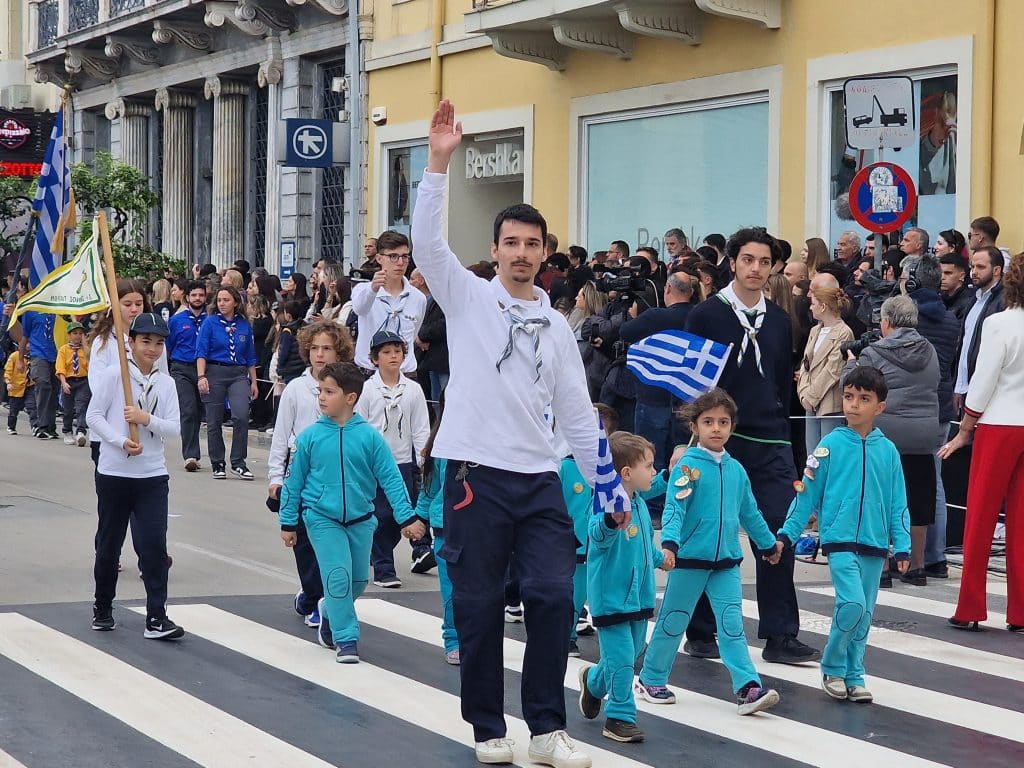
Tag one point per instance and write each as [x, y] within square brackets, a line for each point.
[289, 538]
[776, 554]
[415, 531]
[669, 561]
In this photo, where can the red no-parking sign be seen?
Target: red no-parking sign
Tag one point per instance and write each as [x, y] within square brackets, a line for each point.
[882, 197]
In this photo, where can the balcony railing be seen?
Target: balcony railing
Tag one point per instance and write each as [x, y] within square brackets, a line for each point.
[49, 18]
[82, 14]
[121, 7]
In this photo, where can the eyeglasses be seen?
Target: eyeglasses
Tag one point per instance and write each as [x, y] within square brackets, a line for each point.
[396, 258]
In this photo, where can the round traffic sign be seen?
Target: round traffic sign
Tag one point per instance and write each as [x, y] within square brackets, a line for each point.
[882, 197]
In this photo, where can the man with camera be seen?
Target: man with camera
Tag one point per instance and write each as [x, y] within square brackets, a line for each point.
[911, 419]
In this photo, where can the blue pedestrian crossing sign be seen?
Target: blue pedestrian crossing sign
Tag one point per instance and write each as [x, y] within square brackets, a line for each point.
[309, 143]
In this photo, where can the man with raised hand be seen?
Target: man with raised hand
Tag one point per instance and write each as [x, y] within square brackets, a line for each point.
[514, 367]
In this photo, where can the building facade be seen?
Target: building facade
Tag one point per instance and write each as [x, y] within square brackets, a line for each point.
[624, 118]
[193, 94]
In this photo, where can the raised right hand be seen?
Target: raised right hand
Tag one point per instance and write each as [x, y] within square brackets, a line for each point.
[444, 137]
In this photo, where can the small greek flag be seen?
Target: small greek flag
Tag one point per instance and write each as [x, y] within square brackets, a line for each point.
[54, 205]
[609, 495]
[684, 364]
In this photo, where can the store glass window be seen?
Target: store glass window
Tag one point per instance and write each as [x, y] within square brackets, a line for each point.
[702, 168]
[405, 170]
[931, 161]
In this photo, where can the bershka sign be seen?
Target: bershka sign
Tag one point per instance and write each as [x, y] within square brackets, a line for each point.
[13, 133]
[505, 160]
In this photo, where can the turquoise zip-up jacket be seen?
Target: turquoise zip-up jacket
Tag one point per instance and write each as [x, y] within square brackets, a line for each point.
[856, 487]
[334, 472]
[621, 563]
[705, 506]
[579, 500]
[430, 502]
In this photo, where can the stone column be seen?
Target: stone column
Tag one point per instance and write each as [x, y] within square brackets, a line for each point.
[134, 123]
[269, 77]
[177, 217]
[228, 236]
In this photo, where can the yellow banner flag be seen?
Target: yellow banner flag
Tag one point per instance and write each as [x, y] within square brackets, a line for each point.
[75, 288]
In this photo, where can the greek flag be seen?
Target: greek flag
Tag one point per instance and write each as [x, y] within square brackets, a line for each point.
[54, 205]
[609, 495]
[684, 364]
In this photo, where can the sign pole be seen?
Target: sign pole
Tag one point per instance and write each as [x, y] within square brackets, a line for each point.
[878, 238]
[115, 309]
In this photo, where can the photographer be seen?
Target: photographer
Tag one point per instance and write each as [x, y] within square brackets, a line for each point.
[879, 286]
[911, 417]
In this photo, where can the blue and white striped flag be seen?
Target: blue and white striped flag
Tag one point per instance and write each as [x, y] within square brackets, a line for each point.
[54, 204]
[684, 364]
[609, 495]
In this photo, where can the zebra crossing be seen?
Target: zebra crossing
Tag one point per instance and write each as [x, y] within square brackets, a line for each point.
[250, 686]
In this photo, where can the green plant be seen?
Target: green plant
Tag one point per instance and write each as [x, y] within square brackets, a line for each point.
[124, 191]
[15, 199]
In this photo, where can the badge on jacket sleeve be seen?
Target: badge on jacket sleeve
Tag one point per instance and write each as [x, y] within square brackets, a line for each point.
[578, 488]
[812, 462]
[695, 474]
[821, 451]
[808, 473]
[631, 531]
[684, 493]
[799, 487]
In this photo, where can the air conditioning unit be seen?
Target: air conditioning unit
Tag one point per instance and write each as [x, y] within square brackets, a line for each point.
[16, 96]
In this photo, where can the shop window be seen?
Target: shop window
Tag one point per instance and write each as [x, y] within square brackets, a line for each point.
[931, 161]
[700, 167]
[405, 170]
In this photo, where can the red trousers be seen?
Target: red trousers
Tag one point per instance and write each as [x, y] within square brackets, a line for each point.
[997, 475]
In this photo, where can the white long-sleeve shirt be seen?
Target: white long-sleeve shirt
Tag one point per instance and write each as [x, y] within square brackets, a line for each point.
[105, 417]
[497, 418]
[103, 357]
[379, 310]
[997, 386]
[298, 409]
[406, 426]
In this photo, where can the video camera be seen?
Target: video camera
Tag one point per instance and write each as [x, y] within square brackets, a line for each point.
[859, 345]
[624, 281]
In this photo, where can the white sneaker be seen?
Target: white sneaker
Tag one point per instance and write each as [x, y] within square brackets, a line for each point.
[513, 614]
[69, 439]
[557, 750]
[834, 686]
[495, 751]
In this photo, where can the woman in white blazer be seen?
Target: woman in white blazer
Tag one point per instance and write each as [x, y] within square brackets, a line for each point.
[818, 383]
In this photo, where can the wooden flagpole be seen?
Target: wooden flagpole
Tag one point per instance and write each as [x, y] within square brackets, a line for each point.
[115, 309]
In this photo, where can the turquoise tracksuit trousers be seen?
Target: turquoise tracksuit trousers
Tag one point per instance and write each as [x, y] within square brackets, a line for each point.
[613, 675]
[855, 578]
[343, 553]
[448, 634]
[579, 597]
[724, 590]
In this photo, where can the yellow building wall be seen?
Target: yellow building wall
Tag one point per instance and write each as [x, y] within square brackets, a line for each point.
[481, 80]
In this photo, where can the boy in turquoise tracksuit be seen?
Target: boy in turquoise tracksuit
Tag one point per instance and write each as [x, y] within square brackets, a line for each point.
[332, 480]
[579, 500]
[620, 576]
[862, 509]
[430, 506]
[709, 498]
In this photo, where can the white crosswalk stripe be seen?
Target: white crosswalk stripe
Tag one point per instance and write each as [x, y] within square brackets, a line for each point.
[249, 649]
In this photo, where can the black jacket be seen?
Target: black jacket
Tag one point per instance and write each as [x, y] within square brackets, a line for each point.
[434, 332]
[939, 326]
[994, 304]
[960, 303]
[763, 401]
[652, 321]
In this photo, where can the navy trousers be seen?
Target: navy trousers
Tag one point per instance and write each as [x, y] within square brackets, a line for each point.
[388, 534]
[772, 474]
[307, 568]
[488, 515]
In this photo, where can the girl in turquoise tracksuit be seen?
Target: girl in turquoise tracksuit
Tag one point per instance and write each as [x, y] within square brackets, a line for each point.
[862, 508]
[430, 505]
[332, 480]
[708, 499]
[620, 582]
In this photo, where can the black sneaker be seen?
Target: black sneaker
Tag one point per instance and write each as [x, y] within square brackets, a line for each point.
[885, 582]
[219, 472]
[388, 582]
[574, 650]
[324, 636]
[789, 650]
[162, 629]
[424, 560]
[701, 649]
[102, 619]
[915, 578]
[620, 730]
[590, 705]
[243, 472]
[938, 570]
[583, 626]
